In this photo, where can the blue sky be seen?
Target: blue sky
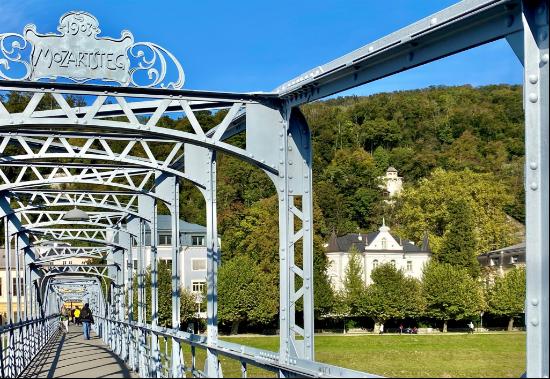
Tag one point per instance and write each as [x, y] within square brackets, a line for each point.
[256, 45]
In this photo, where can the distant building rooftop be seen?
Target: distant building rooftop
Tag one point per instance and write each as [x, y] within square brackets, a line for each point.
[361, 241]
[164, 223]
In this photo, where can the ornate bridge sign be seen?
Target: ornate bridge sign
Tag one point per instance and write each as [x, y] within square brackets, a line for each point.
[79, 55]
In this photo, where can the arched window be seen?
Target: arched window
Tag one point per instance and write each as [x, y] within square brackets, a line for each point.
[375, 263]
[384, 244]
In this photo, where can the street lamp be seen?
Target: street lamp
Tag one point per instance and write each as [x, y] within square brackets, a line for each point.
[76, 215]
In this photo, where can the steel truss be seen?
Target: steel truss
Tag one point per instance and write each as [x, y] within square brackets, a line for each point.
[114, 158]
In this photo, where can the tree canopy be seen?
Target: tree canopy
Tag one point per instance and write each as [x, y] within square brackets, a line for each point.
[451, 293]
[245, 293]
[427, 207]
[392, 295]
[507, 295]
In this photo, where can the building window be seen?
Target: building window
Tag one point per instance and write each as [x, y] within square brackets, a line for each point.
[198, 264]
[165, 239]
[14, 287]
[135, 264]
[495, 261]
[197, 286]
[384, 244]
[392, 263]
[409, 266]
[0, 286]
[197, 240]
[375, 263]
[514, 259]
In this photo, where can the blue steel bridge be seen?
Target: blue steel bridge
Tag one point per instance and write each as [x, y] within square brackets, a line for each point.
[113, 165]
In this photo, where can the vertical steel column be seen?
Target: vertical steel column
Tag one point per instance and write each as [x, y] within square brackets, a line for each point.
[213, 261]
[133, 228]
[142, 308]
[27, 280]
[177, 364]
[148, 206]
[9, 298]
[17, 276]
[19, 332]
[291, 160]
[116, 257]
[7, 248]
[125, 240]
[122, 303]
[295, 192]
[535, 24]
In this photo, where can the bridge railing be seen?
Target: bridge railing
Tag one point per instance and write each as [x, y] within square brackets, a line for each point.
[133, 343]
[21, 342]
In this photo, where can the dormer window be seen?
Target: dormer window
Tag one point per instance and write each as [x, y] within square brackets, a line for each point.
[384, 244]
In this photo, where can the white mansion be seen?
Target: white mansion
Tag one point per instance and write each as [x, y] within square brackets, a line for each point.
[375, 248]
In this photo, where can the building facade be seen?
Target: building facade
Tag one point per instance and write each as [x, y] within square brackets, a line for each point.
[499, 262]
[193, 255]
[4, 287]
[192, 251]
[375, 248]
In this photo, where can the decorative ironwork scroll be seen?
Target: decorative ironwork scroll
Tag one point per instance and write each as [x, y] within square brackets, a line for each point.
[78, 54]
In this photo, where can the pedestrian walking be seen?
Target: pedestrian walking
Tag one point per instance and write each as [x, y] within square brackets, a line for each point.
[471, 327]
[77, 316]
[86, 318]
[401, 328]
[65, 319]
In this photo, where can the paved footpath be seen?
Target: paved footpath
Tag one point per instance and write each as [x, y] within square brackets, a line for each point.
[71, 356]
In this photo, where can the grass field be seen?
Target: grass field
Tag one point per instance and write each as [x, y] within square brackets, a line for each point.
[447, 356]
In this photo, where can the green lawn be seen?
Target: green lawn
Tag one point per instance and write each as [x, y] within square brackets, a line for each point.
[448, 356]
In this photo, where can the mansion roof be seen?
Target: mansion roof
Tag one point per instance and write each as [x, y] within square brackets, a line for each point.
[365, 242]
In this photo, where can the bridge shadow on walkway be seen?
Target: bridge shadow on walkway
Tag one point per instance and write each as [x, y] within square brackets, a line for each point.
[70, 356]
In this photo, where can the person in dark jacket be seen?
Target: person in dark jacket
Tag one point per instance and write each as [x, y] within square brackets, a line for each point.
[86, 318]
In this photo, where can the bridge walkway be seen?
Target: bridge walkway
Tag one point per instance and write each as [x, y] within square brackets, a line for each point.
[71, 356]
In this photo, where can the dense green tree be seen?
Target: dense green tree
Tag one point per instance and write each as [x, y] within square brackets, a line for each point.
[245, 293]
[507, 295]
[351, 179]
[354, 284]
[458, 246]
[254, 232]
[426, 208]
[188, 307]
[382, 159]
[450, 293]
[392, 295]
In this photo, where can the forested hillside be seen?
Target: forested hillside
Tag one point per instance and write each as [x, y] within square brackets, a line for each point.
[453, 128]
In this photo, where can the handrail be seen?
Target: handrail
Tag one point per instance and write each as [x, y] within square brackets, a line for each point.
[20, 342]
[264, 359]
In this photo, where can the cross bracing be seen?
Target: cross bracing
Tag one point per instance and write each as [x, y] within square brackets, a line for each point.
[114, 158]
